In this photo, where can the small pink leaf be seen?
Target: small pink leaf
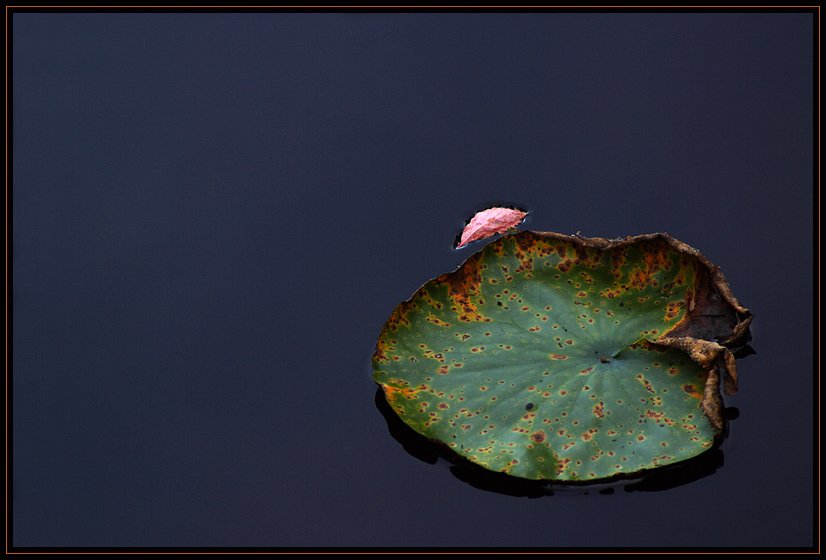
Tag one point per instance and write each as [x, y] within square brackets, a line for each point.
[490, 222]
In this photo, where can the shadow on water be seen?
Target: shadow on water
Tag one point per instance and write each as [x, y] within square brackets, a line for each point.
[663, 478]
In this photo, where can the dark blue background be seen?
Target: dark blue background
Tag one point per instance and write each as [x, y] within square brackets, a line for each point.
[214, 214]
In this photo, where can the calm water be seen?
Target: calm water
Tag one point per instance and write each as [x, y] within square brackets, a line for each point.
[214, 214]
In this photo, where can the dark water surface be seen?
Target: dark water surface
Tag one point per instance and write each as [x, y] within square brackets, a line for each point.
[214, 214]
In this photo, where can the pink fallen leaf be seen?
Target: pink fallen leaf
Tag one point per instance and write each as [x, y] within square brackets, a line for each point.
[490, 222]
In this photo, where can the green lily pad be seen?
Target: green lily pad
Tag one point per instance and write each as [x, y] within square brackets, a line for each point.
[556, 357]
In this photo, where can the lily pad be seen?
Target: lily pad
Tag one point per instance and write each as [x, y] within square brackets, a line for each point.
[557, 357]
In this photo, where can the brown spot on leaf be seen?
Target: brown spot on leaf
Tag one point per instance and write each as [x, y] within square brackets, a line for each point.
[431, 318]
[392, 393]
[692, 390]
